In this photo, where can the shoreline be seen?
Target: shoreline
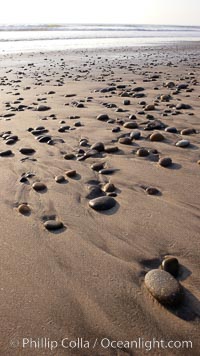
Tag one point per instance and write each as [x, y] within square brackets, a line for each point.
[166, 44]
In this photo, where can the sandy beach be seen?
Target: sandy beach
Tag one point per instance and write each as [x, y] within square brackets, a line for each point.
[76, 126]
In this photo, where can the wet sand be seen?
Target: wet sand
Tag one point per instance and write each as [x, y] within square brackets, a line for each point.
[86, 278]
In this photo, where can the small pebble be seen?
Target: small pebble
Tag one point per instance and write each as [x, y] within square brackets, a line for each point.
[39, 186]
[24, 209]
[183, 143]
[60, 179]
[125, 141]
[152, 191]
[52, 225]
[171, 265]
[157, 136]
[109, 187]
[142, 152]
[71, 173]
[165, 161]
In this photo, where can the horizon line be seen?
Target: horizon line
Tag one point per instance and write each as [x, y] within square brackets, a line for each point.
[58, 24]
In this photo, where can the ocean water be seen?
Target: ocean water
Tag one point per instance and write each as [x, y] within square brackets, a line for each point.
[23, 38]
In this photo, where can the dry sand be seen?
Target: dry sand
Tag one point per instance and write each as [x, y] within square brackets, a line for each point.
[87, 279]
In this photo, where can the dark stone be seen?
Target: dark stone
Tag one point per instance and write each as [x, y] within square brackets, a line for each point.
[6, 153]
[43, 108]
[107, 171]
[170, 265]
[97, 166]
[60, 179]
[52, 225]
[111, 149]
[165, 161]
[44, 139]
[109, 187]
[71, 173]
[27, 151]
[131, 125]
[69, 156]
[171, 129]
[125, 141]
[142, 152]
[102, 203]
[135, 135]
[98, 146]
[152, 191]
[103, 117]
[188, 131]
[156, 137]
[39, 186]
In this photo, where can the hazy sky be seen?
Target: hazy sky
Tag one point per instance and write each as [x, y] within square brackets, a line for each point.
[181, 12]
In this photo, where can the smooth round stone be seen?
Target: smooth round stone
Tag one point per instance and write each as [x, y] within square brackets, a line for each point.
[170, 85]
[132, 117]
[152, 191]
[116, 129]
[130, 125]
[78, 124]
[182, 86]
[107, 171]
[157, 136]
[149, 107]
[165, 161]
[12, 137]
[60, 179]
[183, 143]
[71, 173]
[170, 265]
[24, 209]
[111, 149]
[163, 286]
[188, 131]
[27, 151]
[43, 108]
[183, 106]
[135, 135]
[83, 142]
[171, 129]
[53, 225]
[38, 132]
[109, 187]
[69, 156]
[125, 141]
[142, 152]
[64, 128]
[98, 146]
[126, 102]
[6, 153]
[10, 141]
[102, 203]
[97, 166]
[39, 186]
[103, 117]
[165, 98]
[43, 139]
